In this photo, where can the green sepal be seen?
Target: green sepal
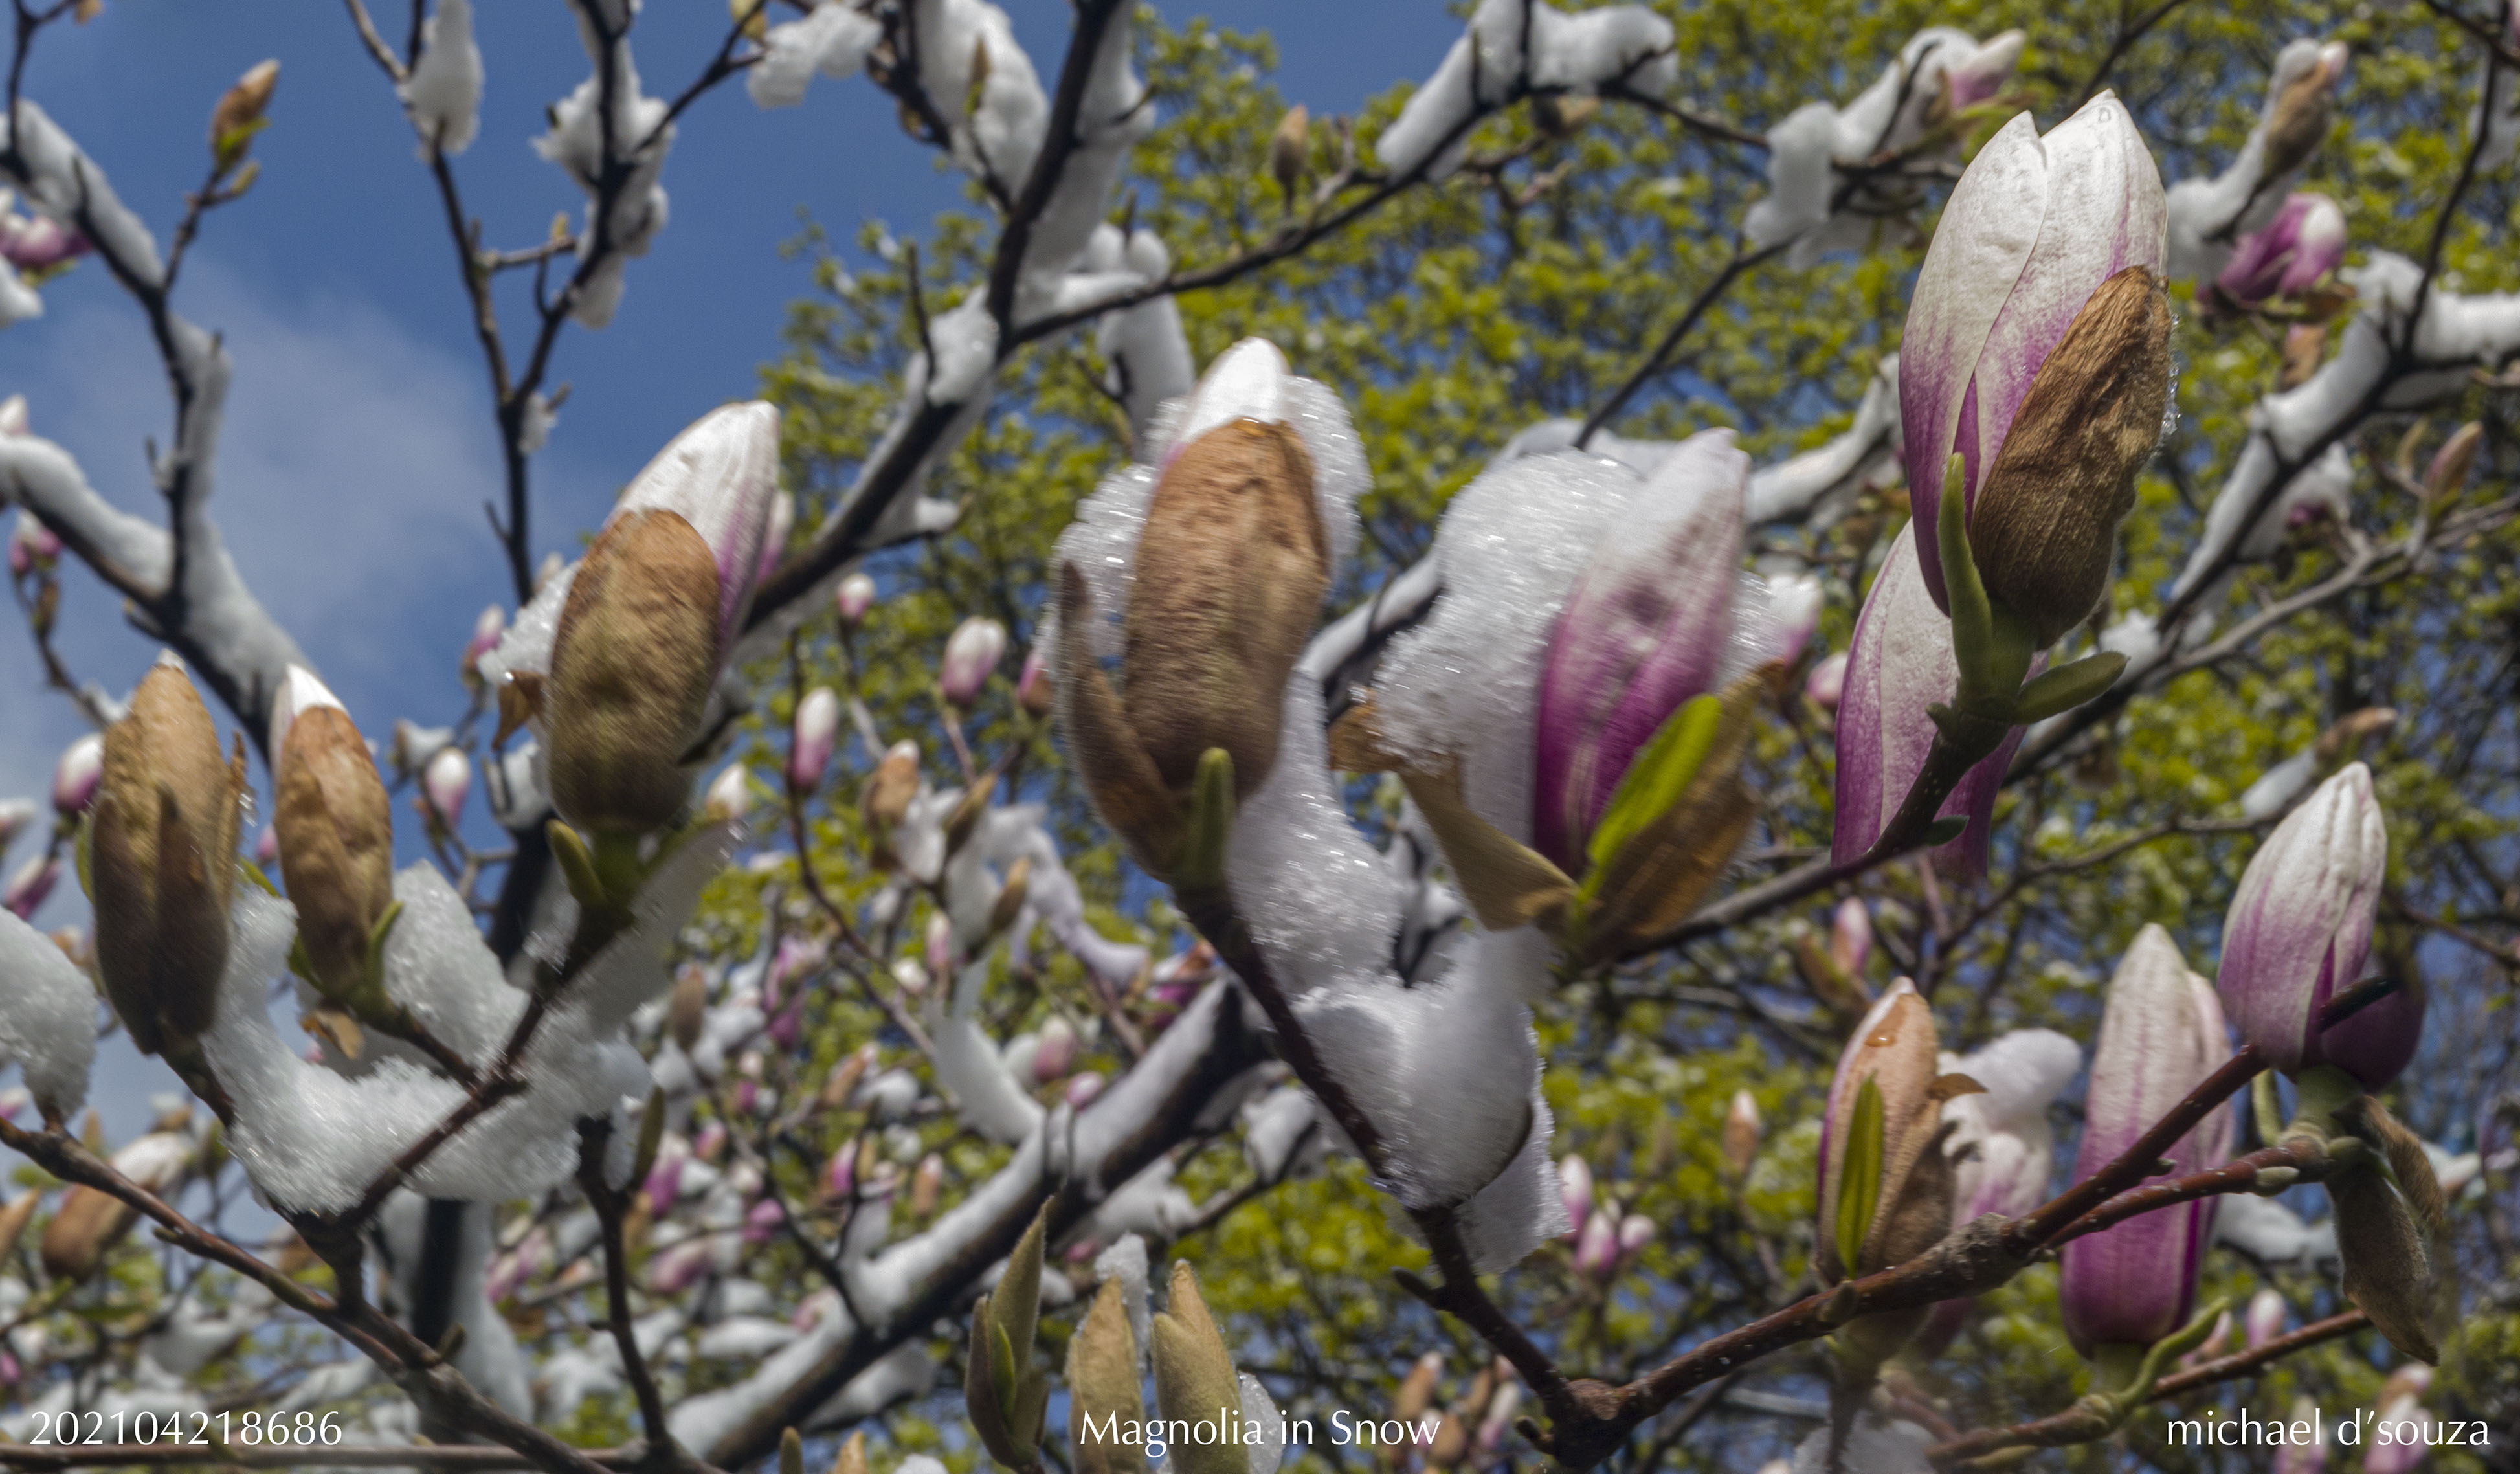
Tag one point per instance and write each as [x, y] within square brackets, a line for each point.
[1859, 1183]
[377, 939]
[791, 1452]
[651, 1135]
[83, 852]
[576, 865]
[253, 873]
[1003, 1376]
[2067, 687]
[1655, 781]
[2267, 1107]
[1031, 1410]
[1972, 615]
[1211, 822]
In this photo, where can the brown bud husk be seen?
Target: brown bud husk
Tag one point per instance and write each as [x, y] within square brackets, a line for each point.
[1103, 1386]
[335, 829]
[241, 107]
[1286, 150]
[887, 793]
[2044, 528]
[853, 1457]
[2452, 464]
[88, 1224]
[2300, 123]
[1656, 881]
[1914, 1209]
[1418, 1389]
[14, 1219]
[2390, 1232]
[2303, 345]
[632, 665]
[1231, 571]
[1005, 1395]
[687, 1010]
[1194, 1377]
[162, 862]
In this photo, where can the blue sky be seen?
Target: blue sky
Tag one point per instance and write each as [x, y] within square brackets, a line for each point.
[358, 448]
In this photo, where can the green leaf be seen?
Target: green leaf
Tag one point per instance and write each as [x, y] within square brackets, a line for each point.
[1656, 778]
[1859, 1183]
[2067, 687]
[1211, 822]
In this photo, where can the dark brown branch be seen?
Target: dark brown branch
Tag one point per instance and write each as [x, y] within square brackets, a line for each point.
[1661, 358]
[593, 1137]
[2127, 36]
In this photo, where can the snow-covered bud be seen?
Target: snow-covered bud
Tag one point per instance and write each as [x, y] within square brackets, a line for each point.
[2300, 929]
[1742, 1134]
[1596, 1244]
[76, 773]
[654, 606]
[446, 783]
[1194, 1375]
[30, 885]
[12, 421]
[2161, 1034]
[162, 860]
[2266, 1317]
[2297, 120]
[971, 656]
[487, 633]
[2451, 463]
[1646, 631]
[1054, 1053]
[1032, 687]
[730, 794]
[239, 114]
[853, 599]
[809, 748]
[1229, 578]
[2040, 314]
[1104, 1383]
[1981, 75]
[336, 828]
[35, 243]
[1827, 682]
[2303, 245]
[15, 814]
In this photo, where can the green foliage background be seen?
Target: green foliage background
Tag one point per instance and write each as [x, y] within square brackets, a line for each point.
[1456, 315]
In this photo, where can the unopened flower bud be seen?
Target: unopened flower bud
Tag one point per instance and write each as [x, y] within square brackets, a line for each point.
[2298, 930]
[15, 814]
[336, 828]
[1418, 1389]
[687, 1010]
[486, 634]
[12, 421]
[163, 861]
[1596, 1246]
[1826, 681]
[33, 547]
[887, 793]
[2266, 1317]
[30, 885]
[1286, 150]
[1054, 1053]
[239, 111]
[2452, 463]
[730, 794]
[1032, 687]
[1084, 1088]
[940, 954]
[2311, 1455]
[925, 1184]
[809, 748]
[1229, 577]
[1636, 1231]
[76, 773]
[447, 782]
[972, 656]
[2303, 345]
[1575, 1189]
[1012, 895]
[853, 599]
[1742, 1134]
[1194, 1375]
[2298, 115]
[1850, 936]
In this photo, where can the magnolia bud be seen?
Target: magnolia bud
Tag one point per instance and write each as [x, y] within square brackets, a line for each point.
[487, 633]
[336, 828]
[809, 749]
[1417, 1390]
[87, 1224]
[687, 1010]
[2452, 463]
[1850, 937]
[1742, 1134]
[2303, 345]
[12, 421]
[1103, 1387]
[163, 849]
[1054, 1054]
[1636, 1231]
[15, 814]
[448, 780]
[1575, 1189]
[2265, 1318]
[730, 794]
[2298, 123]
[1286, 149]
[1032, 687]
[2044, 527]
[1084, 1088]
[1827, 682]
[633, 664]
[940, 951]
[887, 793]
[1195, 1377]
[240, 109]
[853, 599]
[925, 1184]
[75, 775]
[971, 656]
[29, 885]
[1596, 1246]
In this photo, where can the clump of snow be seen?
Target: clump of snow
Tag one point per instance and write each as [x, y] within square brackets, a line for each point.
[638, 136]
[1112, 117]
[2207, 217]
[832, 39]
[1148, 353]
[985, 1092]
[996, 134]
[1126, 1261]
[443, 93]
[1626, 44]
[47, 1017]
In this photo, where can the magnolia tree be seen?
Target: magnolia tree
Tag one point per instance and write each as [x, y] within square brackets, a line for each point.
[1645, 878]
